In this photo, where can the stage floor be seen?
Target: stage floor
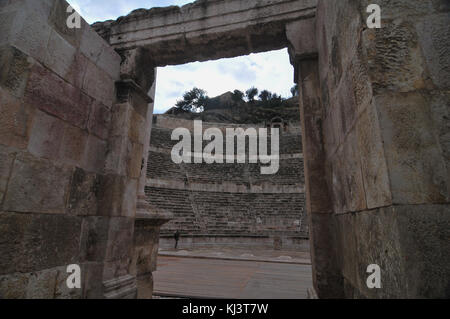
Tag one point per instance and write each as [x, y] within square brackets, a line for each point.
[203, 277]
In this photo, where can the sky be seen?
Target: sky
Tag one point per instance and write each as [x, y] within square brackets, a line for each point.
[270, 70]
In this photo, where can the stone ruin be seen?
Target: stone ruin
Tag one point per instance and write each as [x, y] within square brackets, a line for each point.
[76, 112]
[228, 205]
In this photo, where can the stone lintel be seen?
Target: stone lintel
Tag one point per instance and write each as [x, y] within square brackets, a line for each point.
[204, 30]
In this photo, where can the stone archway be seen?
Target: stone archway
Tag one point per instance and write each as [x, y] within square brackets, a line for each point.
[355, 178]
[198, 33]
[374, 106]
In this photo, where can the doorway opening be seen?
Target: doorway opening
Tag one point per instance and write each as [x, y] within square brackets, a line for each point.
[230, 214]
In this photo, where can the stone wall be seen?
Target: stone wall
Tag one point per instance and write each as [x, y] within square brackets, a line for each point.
[233, 201]
[62, 201]
[385, 127]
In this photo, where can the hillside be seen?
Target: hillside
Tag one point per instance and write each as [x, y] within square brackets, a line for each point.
[222, 109]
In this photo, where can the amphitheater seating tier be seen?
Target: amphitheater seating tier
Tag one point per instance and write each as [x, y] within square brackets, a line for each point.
[230, 213]
[289, 143]
[160, 166]
[227, 213]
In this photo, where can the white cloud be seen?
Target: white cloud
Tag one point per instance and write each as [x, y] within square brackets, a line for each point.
[270, 70]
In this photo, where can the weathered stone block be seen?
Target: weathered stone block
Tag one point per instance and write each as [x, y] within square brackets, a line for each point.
[76, 70]
[51, 241]
[58, 21]
[13, 286]
[37, 186]
[345, 97]
[33, 242]
[41, 285]
[146, 239]
[95, 155]
[110, 195]
[92, 284]
[61, 289]
[91, 44]
[404, 9]
[329, 138]
[424, 232]
[145, 286]
[117, 196]
[328, 279]
[60, 57]
[83, 193]
[116, 269]
[30, 31]
[129, 198]
[116, 159]
[120, 239]
[15, 68]
[343, 26]
[353, 181]
[135, 160]
[359, 77]
[337, 182]
[301, 37]
[347, 248]
[73, 145]
[15, 120]
[46, 284]
[336, 117]
[398, 67]
[407, 242]
[143, 259]
[434, 39]
[109, 60]
[99, 85]
[100, 120]
[415, 162]
[440, 109]
[45, 136]
[6, 24]
[94, 238]
[53, 95]
[373, 162]
[136, 126]
[378, 242]
[6, 163]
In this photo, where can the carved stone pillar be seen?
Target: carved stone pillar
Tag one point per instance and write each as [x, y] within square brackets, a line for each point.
[303, 55]
[135, 97]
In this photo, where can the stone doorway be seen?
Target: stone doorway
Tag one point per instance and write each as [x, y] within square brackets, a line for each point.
[374, 119]
[357, 178]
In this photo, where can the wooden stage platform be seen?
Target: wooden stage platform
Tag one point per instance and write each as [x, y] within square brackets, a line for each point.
[186, 277]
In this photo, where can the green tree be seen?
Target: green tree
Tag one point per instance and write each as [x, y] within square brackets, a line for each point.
[238, 96]
[193, 101]
[251, 94]
[294, 90]
[265, 95]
